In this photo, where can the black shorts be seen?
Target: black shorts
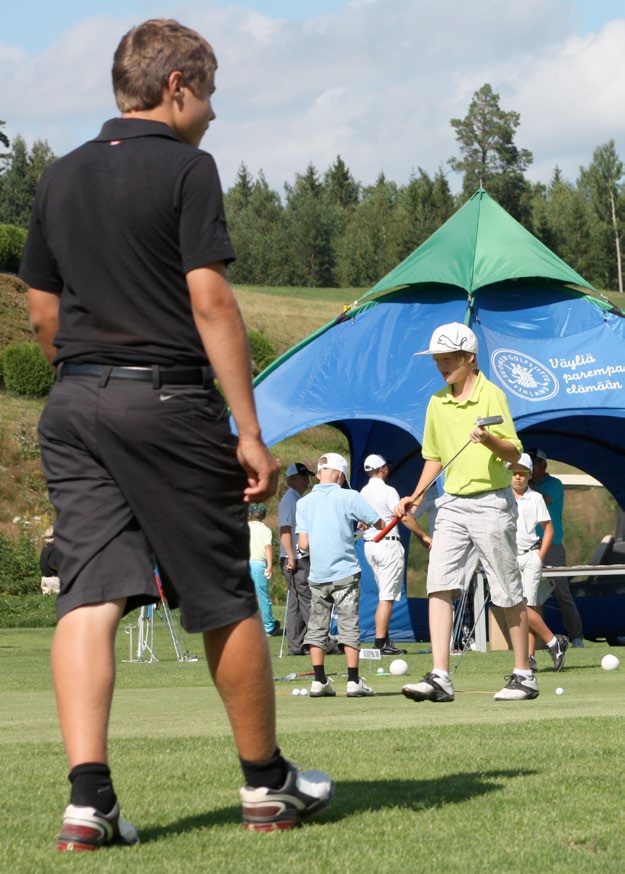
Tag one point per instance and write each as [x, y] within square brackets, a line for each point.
[137, 473]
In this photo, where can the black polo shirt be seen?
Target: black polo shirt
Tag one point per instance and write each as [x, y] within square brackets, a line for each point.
[115, 226]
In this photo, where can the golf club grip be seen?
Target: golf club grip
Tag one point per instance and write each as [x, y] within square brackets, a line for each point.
[381, 534]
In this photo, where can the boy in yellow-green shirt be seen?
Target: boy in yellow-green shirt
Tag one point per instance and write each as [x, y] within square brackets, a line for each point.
[476, 513]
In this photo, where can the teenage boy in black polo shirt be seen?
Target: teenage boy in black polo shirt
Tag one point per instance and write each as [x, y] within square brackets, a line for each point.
[129, 296]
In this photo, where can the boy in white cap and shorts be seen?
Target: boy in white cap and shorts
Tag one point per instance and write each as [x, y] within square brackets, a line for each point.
[325, 526]
[387, 557]
[531, 552]
[475, 514]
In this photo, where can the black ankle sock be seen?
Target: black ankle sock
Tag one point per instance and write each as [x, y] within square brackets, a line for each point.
[379, 642]
[320, 673]
[352, 675]
[270, 773]
[92, 786]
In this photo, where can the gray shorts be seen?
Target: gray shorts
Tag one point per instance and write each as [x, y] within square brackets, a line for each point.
[136, 472]
[346, 596]
[484, 524]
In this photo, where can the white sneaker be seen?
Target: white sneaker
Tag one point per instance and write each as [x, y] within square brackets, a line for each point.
[359, 689]
[303, 794]
[431, 688]
[85, 828]
[321, 690]
[518, 688]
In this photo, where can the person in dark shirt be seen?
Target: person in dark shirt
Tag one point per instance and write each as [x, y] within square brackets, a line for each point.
[126, 260]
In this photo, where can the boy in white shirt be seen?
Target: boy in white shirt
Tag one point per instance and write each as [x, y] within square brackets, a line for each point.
[531, 551]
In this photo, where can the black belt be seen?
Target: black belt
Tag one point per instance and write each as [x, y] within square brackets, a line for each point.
[388, 537]
[534, 546]
[155, 374]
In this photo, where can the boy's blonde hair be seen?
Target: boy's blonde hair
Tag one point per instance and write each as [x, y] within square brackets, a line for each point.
[146, 56]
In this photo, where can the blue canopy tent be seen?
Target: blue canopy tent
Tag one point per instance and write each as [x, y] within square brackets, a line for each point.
[546, 337]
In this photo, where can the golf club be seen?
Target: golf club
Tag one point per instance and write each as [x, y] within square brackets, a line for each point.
[483, 422]
[286, 613]
[471, 633]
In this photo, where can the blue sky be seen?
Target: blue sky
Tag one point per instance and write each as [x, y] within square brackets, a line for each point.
[375, 81]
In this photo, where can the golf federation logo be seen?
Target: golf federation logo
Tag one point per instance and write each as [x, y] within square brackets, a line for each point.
[524, 376]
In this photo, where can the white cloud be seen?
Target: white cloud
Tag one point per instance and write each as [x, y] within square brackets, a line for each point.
[377, 83]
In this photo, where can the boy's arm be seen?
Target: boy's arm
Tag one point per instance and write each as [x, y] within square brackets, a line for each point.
[504, 449]
[44, 317]
[302, 541]
[286, 539]
[412, 525]
[269, 560]
[547, 539]
[221, 329]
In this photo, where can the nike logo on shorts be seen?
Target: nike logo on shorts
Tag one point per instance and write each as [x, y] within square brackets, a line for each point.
[166, 397]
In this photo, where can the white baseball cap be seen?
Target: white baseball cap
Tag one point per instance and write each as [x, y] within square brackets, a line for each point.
[333, 461]
[374, 462]
[524, 461]
[454, 337]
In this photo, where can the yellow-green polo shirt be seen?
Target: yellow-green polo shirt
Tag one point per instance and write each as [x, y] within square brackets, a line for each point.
[448, 424]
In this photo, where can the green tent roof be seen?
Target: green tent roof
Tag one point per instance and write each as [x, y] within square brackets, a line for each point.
[480, 244]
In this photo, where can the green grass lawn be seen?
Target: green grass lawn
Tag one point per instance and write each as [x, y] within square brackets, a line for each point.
[477, 785]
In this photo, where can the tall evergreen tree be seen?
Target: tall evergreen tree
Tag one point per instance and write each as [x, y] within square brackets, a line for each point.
[19, 180]
[372, 241]
[17, 187]
[311, 225]
[426, 203]
[489, 157]
[602, 181]
[340, 185]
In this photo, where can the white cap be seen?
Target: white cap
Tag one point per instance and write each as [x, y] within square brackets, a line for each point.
[374, 462]
[333, 461]
[524, 461]
[454, 337]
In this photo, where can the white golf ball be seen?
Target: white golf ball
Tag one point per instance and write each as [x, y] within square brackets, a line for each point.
[398, 667]
[380, 670]
[295, 692]
[610, 662]
[559, 691]
[303, 692]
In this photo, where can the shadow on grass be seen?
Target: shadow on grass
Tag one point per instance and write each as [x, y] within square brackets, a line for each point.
[361, 796]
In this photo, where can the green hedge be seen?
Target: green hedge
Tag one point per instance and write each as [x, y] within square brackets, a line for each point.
[262, 351]
[25, 370]
[19, 566]
[12, 242]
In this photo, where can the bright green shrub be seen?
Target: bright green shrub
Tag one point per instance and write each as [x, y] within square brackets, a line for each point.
[12, 242]
[25, 370]
[19, 565]
[262, 351]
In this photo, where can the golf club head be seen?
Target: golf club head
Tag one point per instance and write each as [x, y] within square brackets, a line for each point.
[485, 421]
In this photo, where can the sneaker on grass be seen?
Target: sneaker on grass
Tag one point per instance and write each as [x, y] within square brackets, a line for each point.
[303, 793]
[359, 689]
[533, 664]
[321, 690]
[85, 828]
[431, 688]
[389, 648]
[518, 688]
[558, 650]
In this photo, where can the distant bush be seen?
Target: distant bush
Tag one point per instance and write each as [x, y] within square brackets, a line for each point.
[262, 351]
[12, 242]
[25, 370]
[19, 565]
